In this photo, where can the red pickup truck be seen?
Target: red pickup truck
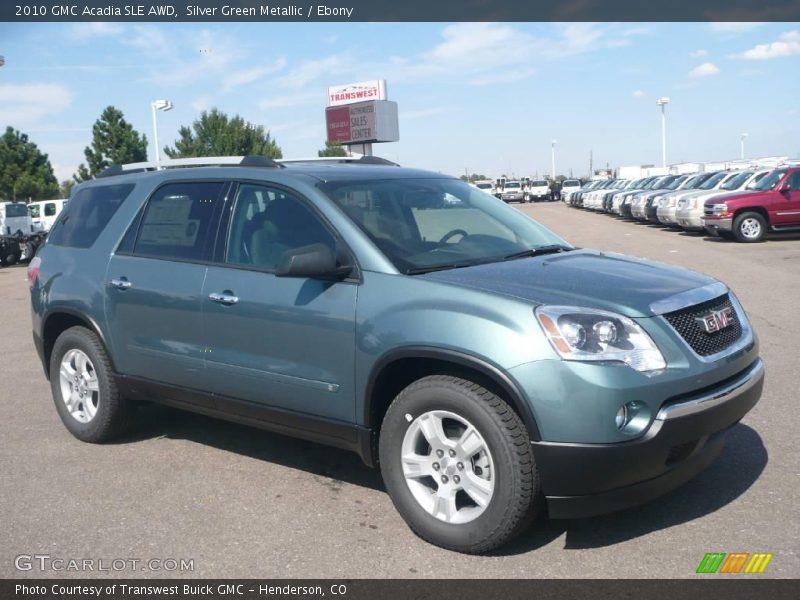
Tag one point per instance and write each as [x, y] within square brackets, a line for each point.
[773, 205]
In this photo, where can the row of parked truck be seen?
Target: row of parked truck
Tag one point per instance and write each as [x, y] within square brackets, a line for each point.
[527, 189]
[743, 204]
[23, 227]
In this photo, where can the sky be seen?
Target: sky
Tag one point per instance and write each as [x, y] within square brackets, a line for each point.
[483, 97]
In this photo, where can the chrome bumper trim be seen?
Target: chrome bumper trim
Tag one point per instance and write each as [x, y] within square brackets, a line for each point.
[753, 375]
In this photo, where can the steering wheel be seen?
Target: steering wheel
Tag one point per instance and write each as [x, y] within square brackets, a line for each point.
[451, 233]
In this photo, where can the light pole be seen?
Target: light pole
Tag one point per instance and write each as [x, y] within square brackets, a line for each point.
[741, 141]
[553, 160]
[662, 102]
[157, 105]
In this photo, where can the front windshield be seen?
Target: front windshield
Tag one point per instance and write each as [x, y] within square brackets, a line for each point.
[676, 183]
[431, 224]
[512, 184]
[770, 181]
[539, 184]
[735, 182]
[695, 181]
[571, 183]
[664, 182]
[752, 185]
[712, 182]
[483, 186]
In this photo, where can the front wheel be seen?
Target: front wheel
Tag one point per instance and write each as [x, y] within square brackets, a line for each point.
[749, 227]
[457, 463]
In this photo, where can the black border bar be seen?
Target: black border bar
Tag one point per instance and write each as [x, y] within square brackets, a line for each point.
[399, 10]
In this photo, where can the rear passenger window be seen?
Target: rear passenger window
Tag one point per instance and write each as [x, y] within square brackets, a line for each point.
[177, 222]
[794, 181]
[89, 212]
[50, 209]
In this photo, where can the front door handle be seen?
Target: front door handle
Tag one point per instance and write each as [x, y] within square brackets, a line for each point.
[121, 284]
[225, 298]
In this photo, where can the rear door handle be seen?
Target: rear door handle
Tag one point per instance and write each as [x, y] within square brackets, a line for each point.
[224, 298]
[121, 284]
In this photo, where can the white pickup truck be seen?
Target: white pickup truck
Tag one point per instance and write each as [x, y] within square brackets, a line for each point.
[513, 191]
[538, 189]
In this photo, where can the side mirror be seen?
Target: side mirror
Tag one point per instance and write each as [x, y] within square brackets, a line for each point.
[785, 188]
[313, 261]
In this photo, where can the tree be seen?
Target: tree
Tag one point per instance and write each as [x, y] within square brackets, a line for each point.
[114, 142]
[332, 149]
[473, 177]
[25, 172]
[216, 134]
[65, 188]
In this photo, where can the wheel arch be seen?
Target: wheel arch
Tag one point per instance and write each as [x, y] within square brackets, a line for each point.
[59, 319]
[756, 209]
[398, 368]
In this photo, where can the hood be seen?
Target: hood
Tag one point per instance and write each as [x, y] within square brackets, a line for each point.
[585, 278]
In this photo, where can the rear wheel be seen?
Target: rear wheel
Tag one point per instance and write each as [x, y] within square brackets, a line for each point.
[84, 389]
[458, 465]
[749, 227]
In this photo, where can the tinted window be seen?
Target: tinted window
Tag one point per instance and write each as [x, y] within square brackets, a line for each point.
[267, 222]
[794, 181]
[16, 210]
[771, 180]
[89, 212]
[177, 222]
[50, 209]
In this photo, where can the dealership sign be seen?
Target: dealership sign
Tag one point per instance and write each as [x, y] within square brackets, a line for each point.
[362, 122]
[348, 93]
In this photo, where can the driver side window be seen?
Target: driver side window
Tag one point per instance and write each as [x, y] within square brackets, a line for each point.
[267, 222]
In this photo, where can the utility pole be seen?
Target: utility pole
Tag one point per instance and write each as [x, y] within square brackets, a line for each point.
[591, 165]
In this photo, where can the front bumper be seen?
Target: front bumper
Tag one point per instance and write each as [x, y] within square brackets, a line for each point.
[690, 219]
[512, 197]
[666, 215]
[715, 225]
[687, 435]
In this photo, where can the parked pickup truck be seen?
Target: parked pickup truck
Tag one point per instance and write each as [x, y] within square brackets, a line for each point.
[513, 191]
[772, 205]
[538, 189]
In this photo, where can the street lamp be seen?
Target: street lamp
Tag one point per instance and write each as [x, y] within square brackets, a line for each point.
[164, 105]
[741, 140]
[553, 160]
[662, 102]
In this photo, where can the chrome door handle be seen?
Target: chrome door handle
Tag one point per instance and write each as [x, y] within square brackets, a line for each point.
[226, 299]
[121, 284]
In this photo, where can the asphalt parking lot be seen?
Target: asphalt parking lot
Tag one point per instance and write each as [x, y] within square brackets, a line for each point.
[244, 503]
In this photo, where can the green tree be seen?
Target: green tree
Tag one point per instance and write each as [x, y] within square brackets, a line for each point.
[114, 142]
[65, 188]
[332, 149]
[473, 177]
[216, 134]
[25, 172]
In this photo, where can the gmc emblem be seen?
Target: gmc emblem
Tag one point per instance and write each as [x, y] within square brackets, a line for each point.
[717, 320]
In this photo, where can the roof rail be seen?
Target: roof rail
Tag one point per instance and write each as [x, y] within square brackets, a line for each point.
[362, 160]
[237, 161]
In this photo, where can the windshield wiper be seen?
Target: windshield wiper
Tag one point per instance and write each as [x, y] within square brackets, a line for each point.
[538, 251]
[445, 267]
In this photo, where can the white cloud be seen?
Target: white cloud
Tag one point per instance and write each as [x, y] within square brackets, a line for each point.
[734, 27]
[507, 76]
[28, 103]
[788, 44]
[200, 104]
[698, 53]
[705, 70]
[246, 76]
[639, 94]
[311, 70]
[82, 32]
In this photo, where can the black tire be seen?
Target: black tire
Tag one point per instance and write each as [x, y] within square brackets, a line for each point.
[113, 412]
[516, 499]
[743, 226]
[10, 257]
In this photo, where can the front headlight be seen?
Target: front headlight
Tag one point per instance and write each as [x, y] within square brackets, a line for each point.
[721, 210]
[586, 334]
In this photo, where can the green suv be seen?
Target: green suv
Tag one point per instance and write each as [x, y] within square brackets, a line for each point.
[491, 370]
